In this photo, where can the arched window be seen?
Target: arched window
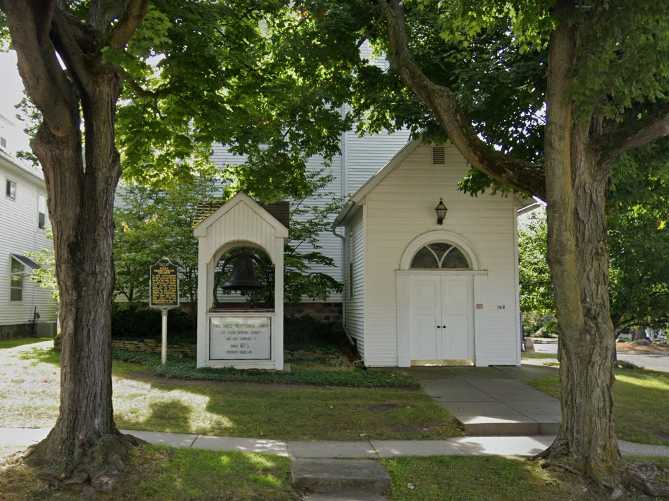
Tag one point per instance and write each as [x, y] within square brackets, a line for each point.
[440, 255]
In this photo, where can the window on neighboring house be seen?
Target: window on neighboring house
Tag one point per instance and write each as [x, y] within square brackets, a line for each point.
[3, 143]
[350, 280]
[16, 281]
[41, 212]
[10, 189]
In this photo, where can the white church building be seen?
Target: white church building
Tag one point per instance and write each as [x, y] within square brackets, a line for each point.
[431, 273]
[418, 291]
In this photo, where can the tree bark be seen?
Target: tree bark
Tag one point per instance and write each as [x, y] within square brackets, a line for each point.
[84, 445]
[576, 186]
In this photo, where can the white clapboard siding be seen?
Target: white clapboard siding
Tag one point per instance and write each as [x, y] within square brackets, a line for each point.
[399, 209]
[19, 234]
[366, 155]
[360, 159]
[355, 283]
[329, 244]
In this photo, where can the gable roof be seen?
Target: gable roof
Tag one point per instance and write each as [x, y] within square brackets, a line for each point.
[362, 192]
[280, 210]
[359, 196]
[15, 167]
[212, 212]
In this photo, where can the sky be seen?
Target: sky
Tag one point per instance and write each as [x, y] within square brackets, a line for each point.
[11, 92]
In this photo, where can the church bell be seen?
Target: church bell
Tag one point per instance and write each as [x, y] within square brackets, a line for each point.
[243, 276]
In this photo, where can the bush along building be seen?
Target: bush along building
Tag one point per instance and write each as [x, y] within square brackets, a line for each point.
[26, 309]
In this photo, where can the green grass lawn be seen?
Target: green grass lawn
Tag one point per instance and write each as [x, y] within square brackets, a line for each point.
[29, 386]
[641, 400]
[13, 343]
[159, 473]
[442, 478]
[305, 368]
[451, 478]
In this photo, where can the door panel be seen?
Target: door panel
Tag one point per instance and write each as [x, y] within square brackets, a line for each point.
[456, 339]
[425, 314]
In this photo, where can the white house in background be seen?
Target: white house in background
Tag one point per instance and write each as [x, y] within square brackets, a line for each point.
[360, 158]
[25, 308]
[421, 293]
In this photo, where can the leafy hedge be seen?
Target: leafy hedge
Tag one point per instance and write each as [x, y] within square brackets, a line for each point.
[138, 321]
[354, 377]
[299, 332]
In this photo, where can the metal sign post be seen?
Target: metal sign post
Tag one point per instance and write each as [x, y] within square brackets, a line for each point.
[164, 295]
[163, 345]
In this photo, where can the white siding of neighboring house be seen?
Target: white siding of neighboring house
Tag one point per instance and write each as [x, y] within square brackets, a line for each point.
[400, 208]
[360, 159]
[19, 234]
[364, 156]
[355, 281]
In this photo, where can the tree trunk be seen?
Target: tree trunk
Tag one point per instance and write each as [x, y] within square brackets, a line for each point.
[576, 185]
[84, 445]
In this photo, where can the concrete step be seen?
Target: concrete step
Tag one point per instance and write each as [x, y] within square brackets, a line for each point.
[336, 476]
[346, 496]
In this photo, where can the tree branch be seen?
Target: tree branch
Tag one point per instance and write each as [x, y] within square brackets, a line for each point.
[103, 12]
[66, 42]
[634, 132]
[30, 25]
[128, 24]
[442, 102]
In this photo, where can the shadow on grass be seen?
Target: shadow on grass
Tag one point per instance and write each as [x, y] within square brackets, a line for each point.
[162, 473]
[641, 400]
[440, 478]
[285, 411]
[279, 411]
[170, 415]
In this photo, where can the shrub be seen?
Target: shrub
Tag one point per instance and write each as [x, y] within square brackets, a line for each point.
[138, 321]
[354, 377]
[306, 330]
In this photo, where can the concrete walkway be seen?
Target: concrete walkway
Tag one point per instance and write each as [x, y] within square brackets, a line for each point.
[491, 401]
[19, 438]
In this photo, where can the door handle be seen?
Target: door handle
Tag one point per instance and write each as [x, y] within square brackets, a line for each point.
[438, 326]
[443, 326]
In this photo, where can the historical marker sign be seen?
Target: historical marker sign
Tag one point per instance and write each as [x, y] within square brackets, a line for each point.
[164, 290]
[164, 294]
[240, 338]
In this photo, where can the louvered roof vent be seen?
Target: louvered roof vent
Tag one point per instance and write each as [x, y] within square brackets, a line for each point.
[438, 155]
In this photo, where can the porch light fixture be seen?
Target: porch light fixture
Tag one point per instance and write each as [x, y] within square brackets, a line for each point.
[441, 211]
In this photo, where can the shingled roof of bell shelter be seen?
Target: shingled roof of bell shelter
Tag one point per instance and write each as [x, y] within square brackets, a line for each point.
[279, 210]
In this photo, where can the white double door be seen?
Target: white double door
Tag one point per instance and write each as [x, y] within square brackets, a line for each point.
[441, 317]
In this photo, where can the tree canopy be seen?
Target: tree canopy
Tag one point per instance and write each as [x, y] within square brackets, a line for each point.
[153, 222]
[144, 89]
